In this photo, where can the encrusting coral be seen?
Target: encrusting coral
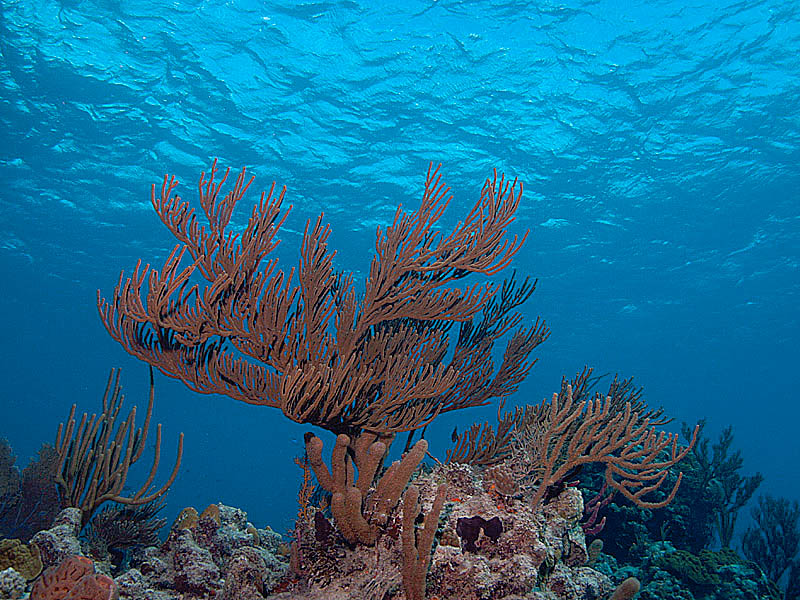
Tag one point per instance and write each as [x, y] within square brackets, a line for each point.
[61, 539]
[25, 559]
[219, 556]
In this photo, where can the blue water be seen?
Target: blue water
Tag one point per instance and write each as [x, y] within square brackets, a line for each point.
[659, 144]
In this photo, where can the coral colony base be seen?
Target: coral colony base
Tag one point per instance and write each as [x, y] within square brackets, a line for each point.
[499, 517]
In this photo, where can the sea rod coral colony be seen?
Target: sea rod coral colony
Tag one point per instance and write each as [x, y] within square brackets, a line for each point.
[500, 517]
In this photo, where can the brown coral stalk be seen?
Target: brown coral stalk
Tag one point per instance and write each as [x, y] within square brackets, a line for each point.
[417, 545]
[94, 459]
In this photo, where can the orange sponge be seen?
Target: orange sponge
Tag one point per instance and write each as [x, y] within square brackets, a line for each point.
[74, 579]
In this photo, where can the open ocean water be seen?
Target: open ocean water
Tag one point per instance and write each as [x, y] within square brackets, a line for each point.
[658, 143]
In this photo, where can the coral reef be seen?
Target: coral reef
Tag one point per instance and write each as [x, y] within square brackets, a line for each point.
[503, 517]
[539, 554]
[367, 364]
[682, 533]
[666, 572]
[536, 550]
[221, 555]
